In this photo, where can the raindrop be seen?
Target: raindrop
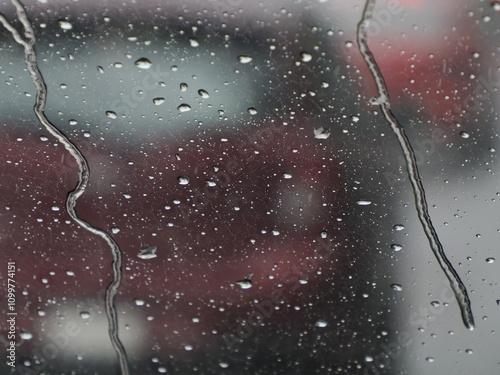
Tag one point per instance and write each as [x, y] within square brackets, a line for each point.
[72, 122]
[321, 323]
[184, 108]
[183, 86]
[363, 203]
[44, 138]
[305, 56]
[435, 304]
[25, 335]
[490, 260]
[398, 227]
[143, 63]
[188, 347]
[55, 208]
[162, 370]
[211, 183]
[397, 287]
[65, 25]
[183, 180]
[464, 134]
[396, 247]
[193, 42]
[158, 101]
[203, 94]
[148, 252]
[287, 176]
[84, 315]
[224, 364]
[469, 351]
[111, 114]
[252, 111]
[368, 358]
[429, 359]
[246, 283]
[321, 133]
[323, 234]
[244, 59]
[139, 302]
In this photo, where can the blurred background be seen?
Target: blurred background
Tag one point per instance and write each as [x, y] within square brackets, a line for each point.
[261, 202]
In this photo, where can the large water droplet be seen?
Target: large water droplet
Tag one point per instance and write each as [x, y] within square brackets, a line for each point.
[147, 252]
[65, 25]
[184, 108]
[25, 335]
[321, 323]
[321, 133]
[244, 59]
[143, 63]
[363, 202]
[203, 94]
[396, 247]
[158, 101]
[183, 180]
[397, 287]
[305, 56]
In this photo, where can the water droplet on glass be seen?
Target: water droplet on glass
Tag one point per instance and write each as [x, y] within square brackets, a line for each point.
[368, 358]
[252, 111]
[162, 370]
[223, 364]
[84, 315]
[143, 63]
[396, 247]
[435, 304]
[158, 101]
[188, 347]
[321, 133]
[183, 180]
[193, 42]
[184, 108]
[321, 323]
[246, 283]
[203, 94]
[111, 114]
[429, 359]
[398, 227]
[397, 287]
[183, 86]
[323, 234]
[25, 335]
[287, 176]
[464, 134]
[72, 122]
[139, 302]
[490, 260]
[148, 252]
[65, 25]
[244, 59]
[363, 203]
[469, 351]
[305, 56]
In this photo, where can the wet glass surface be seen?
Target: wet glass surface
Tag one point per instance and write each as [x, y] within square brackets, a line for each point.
[261, 203]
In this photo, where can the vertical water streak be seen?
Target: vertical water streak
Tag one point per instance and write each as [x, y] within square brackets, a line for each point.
[383, 100]
[28, 43]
